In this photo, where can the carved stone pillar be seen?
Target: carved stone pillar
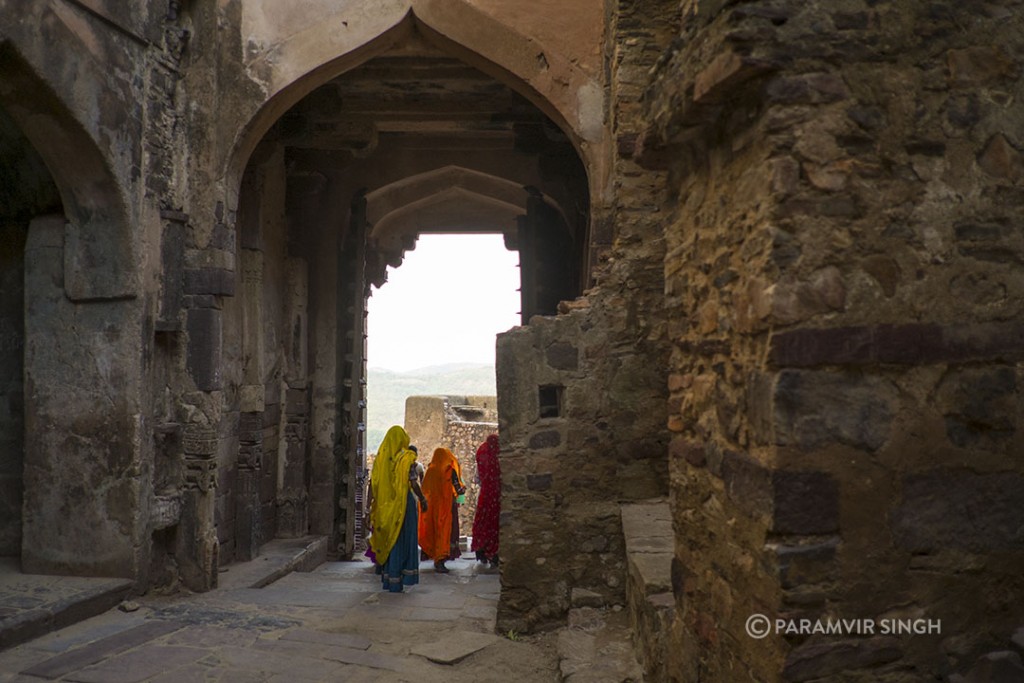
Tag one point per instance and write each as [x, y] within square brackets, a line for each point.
[197, 552]
[293, 461]
[248, 518]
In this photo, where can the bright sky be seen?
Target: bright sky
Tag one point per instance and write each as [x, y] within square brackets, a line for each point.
[444, 304]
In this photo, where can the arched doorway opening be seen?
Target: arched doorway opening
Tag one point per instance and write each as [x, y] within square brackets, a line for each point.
[27, 190]
[64, 220]
[431, 342]
[339, 187]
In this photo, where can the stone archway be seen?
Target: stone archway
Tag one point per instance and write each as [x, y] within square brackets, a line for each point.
[295, 51]
[81, 343]
[401, 134]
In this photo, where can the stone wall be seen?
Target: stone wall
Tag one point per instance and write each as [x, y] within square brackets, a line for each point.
[581, 396]
[460, 424]
[842, 281]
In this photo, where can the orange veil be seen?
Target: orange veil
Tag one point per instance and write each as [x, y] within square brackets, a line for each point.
[436, 523]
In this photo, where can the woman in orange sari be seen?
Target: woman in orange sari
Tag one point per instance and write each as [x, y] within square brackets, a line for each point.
[439, 525]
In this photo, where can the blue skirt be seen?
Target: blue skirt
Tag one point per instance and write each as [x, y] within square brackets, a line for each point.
[403, 565]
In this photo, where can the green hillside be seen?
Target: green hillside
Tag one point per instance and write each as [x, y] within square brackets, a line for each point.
[387, 390]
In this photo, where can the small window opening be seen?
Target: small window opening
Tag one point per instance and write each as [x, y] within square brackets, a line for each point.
[550, 399]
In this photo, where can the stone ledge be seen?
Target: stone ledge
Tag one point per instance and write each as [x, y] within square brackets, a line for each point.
[650, 548]
[69, 605]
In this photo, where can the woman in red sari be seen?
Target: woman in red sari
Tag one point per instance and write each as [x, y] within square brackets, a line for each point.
[488, 502]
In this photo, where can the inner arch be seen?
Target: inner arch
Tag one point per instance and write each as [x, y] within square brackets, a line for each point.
[413, 140]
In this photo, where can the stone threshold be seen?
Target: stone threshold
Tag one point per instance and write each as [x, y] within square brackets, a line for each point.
[32, 605]
[277, 559]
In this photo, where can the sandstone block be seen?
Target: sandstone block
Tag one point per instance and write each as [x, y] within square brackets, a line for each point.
[547, 439]
[806, 564]
[725, 72]
[819, 660]
[815, 88]
[978, 65]
[1000, 159]
[960, 509]
[996, 667]
[562, 356]
[804, 502]
[204, 348]
[813, 409]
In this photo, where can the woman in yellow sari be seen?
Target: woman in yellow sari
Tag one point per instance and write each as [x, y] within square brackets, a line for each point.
[394, 488]
[439, 524]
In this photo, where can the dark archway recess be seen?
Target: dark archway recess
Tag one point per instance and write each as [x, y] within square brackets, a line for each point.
[26, 191]
[410, 142]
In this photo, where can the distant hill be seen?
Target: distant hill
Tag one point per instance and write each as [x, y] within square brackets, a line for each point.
[386, 391]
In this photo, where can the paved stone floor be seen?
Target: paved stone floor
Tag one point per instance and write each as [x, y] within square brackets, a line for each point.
[332, 624]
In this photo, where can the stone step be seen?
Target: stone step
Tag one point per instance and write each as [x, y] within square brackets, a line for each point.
[650, 545]
[277, 559]
[33, 605]
[596, 648]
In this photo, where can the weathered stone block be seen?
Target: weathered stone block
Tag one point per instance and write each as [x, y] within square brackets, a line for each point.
[820, 660]
[824, 291]
[1000, 159]
[960, 509]
[204, 348]
[815, 88]
[728, 71]
[562, 356]
[806, 564]
[538, 482]
[980, 405]
[213, 281]
[547, 439]
[814, 409]
[978, 65]
[748, 484]
[885, 271]
[691, 451]
[804, 503]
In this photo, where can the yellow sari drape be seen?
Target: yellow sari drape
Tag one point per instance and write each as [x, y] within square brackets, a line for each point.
[435, 530]
[389, 482]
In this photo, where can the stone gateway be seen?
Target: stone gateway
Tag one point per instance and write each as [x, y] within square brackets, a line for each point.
[770, 358]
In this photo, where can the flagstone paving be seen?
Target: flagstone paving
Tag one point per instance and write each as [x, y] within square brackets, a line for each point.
[330, 624]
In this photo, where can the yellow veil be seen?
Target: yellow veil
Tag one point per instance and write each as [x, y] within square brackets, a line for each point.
[389, 482]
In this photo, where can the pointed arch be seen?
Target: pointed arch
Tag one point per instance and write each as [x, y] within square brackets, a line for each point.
[99, 244]
[450, 198]
[453, 209]
[291, 66]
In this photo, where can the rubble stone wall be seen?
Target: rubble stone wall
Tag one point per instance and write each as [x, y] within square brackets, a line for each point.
[581, 396]
[842, 280]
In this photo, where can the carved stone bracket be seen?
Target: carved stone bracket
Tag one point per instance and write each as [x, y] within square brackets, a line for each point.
[200, 446]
